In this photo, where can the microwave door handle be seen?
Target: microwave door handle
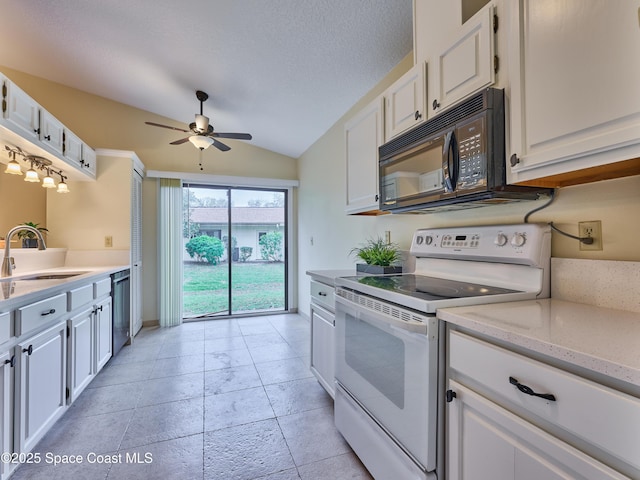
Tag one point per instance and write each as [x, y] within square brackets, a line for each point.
[450, 162]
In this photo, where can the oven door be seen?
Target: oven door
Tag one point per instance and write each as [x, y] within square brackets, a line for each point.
[387, 362]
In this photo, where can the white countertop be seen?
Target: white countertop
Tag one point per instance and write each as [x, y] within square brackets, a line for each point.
[16, 291]
[329, 276]
[601, 340]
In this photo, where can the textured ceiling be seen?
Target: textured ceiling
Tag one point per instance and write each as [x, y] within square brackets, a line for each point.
[282, 70]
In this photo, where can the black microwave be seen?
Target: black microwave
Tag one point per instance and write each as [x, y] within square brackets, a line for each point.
[453, 161]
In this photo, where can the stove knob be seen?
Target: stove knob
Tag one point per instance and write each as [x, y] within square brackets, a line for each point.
[419, 240]
[518, 239]
[428, 239]
[501, 240]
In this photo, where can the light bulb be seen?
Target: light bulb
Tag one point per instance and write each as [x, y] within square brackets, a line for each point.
[62, 187]
[31, 176]
[201, 142]
[48, 182]
[13, 168]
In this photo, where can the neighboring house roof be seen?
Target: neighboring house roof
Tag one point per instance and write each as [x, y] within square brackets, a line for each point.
[242, 215]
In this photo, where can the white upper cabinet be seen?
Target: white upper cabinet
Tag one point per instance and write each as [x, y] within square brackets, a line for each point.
[574, 73]
[465, 64]
[405, 102]
[364, 133]
[20, 110]
[27, 125]
[51, 131]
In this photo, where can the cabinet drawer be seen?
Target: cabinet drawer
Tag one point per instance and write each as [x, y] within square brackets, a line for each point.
[36, 314]
[603, 417]
[5, 326]
[79, 296]
[323, 294]
[102, 287]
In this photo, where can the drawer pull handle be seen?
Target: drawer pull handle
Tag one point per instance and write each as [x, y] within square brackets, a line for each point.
[44, 314]
[529, 390]
[322, 294]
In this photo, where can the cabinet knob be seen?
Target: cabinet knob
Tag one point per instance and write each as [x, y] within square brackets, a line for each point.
[450, 395]
[514, 160]
[377, 197]
[11, 361]
[36, 130]
[418, 115]
[435, 104]
[48, 137]
[29, 350]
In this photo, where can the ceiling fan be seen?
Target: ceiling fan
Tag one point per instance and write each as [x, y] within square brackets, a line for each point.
[202, 134]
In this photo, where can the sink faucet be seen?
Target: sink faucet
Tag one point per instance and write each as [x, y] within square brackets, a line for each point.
[7, 262]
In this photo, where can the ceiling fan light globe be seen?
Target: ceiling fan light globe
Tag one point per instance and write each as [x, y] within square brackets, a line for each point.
[202, 123]
[200, 141]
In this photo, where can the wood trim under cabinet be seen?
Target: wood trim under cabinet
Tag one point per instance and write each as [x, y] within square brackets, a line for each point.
[625, 168]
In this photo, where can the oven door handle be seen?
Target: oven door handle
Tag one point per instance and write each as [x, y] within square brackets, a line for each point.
[411, 326]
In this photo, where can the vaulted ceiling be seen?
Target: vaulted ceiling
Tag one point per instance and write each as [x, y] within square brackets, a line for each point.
[282, 70]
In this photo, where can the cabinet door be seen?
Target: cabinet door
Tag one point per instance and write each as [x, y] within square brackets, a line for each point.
[323, 350]
[88, 161]
[6, 409]
[73, 149]
[81, 353]
[40, 385]
[364, 134]
[405, 102]
[574, 73]
[21, 111]
[464, 66]
[103, 335]
[51, 131]
[486, 442]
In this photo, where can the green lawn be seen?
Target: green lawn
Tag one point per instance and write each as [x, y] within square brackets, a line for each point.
[256, 287]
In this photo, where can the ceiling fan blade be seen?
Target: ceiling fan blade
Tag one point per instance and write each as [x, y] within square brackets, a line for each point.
[220, 146]
[236, 136]
[180, 142]
[166, 126]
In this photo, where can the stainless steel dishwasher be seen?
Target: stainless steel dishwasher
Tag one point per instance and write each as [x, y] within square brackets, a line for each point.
[121, 299]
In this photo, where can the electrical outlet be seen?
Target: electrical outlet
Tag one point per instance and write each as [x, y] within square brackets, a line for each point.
[108, 241]
[593, 230]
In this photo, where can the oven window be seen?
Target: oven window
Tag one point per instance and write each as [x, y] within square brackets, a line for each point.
[377, 356]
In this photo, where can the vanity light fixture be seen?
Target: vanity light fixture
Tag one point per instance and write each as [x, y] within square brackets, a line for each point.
[37, 163]
[13, 168]
[62, 186]
[31, 175]
[48, 182]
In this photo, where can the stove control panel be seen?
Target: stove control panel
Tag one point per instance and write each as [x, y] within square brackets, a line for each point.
[520, 243]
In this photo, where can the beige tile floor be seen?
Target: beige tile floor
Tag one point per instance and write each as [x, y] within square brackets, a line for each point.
[219, 399]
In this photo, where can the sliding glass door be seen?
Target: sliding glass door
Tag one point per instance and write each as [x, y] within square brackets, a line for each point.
[235, 251]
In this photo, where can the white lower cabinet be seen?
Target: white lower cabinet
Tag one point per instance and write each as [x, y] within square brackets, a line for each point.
[41, 384]
[103, 327]
[81, 356]
[487, 442]
[323, 347]
[515, 418]
[7, 362]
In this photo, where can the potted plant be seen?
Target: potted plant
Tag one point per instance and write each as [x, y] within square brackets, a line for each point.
[28, 238]
[378, 256]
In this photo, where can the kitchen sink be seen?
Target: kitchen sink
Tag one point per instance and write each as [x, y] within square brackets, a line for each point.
[50, 276]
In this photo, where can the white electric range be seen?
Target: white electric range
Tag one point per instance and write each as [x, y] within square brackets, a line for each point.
[387, 336]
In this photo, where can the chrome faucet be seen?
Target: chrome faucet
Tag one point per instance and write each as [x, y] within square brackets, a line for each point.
[7, 262]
